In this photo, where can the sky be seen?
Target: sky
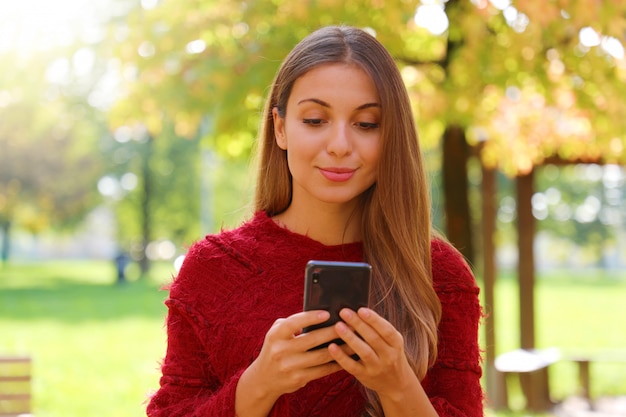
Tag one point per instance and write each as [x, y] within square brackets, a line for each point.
[33, 26]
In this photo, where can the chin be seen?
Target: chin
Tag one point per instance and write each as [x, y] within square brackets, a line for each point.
[341, 199]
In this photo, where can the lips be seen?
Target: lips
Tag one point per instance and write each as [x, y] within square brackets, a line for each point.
[337, 174]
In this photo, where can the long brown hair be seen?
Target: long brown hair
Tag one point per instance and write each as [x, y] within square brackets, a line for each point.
[395, 219]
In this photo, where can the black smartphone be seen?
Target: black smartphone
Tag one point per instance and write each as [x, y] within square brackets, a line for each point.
[332, 286]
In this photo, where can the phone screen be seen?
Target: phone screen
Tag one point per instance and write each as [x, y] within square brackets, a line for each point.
[332, 286]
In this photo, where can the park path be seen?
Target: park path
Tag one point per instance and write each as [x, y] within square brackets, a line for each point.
[603, 407]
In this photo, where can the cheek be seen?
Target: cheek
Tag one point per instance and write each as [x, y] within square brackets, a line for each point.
[372, 154]
[299, 151]
[302, 143]
[371, 157]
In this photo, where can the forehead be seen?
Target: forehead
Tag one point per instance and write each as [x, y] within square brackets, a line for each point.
[336, 80]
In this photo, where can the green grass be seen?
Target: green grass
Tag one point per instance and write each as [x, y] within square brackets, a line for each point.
[96, 346]
[578, 311]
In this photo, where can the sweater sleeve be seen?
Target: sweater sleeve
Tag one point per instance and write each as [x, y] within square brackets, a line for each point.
[194, 381]
[189, 387]
[453, 383]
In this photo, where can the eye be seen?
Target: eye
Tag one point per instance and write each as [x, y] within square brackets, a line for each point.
[367, 125]
[313, 122]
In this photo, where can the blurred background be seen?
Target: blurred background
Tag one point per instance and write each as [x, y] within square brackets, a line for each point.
[126, 133]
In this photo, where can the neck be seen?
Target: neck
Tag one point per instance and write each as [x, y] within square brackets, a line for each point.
[330, 225]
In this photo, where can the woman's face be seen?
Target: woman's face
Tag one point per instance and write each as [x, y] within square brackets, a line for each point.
[331, 134]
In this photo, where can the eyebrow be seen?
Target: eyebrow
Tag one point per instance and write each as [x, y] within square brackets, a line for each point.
[325, 104]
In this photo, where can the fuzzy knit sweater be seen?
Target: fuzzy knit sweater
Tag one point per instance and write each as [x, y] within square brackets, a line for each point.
[235, 284]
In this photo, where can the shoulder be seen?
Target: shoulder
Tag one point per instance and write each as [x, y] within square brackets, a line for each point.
[216, 260]
[227, 244]
[450, 270]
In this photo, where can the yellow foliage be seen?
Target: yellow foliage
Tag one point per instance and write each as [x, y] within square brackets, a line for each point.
[186, 124]
[570, 102]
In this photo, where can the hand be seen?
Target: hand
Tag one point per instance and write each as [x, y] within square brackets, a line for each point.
[383, 366]
[286, 363]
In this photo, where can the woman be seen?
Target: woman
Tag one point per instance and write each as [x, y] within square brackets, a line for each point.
[340, 178]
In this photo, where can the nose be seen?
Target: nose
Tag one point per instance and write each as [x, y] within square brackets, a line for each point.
[339, 142]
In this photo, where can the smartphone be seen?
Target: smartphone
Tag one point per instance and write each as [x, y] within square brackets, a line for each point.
[332, 286]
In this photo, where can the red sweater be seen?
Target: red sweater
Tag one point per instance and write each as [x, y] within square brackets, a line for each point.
[235, 284]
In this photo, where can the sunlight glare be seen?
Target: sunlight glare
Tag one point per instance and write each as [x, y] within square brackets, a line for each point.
[589, 37]
[149, 4]
[500, 4]
[613, 47]
[518, 21]
[432, 16]
[481, 4]
[58, 72]
[31, 26]
[195, 47]
[83, 61]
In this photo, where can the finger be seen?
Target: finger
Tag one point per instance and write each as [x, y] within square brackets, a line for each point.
[358, 326]
[345, 360]
[315, 338]
[385, 329]
[294, 324]
[373, 328]
[360, 346]
[348, 351]
[325, 369]
[379, 337]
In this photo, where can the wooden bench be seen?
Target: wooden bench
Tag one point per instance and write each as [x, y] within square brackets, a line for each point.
[531, 366]
[584, 361]
[15, 386]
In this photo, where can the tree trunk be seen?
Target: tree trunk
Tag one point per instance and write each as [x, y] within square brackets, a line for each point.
[6, 241]
[526, 259]
[495, 383]
[146, 217]
[455, 191]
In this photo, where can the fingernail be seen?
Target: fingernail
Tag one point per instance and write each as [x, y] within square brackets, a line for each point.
[346, 313]
[323, 315]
